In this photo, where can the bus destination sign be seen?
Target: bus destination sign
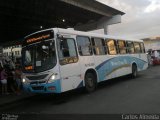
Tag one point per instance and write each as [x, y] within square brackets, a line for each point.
[38, 37]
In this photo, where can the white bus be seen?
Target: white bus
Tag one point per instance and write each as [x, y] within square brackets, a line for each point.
[58, 60]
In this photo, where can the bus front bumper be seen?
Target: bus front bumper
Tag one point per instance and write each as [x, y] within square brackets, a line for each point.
[54, 87]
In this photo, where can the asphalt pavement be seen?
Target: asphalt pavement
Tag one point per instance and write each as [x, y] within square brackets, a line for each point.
[117, 96]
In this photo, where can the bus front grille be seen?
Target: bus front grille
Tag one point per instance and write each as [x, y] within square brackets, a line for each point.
[37, 82]
[38, 77]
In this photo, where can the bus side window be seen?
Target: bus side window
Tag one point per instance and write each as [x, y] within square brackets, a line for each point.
[84, 45]
[67, 51]
[142, 47]
[121, 46]
[99, 46]
[130, 47]
[137, 47]
[111, 44]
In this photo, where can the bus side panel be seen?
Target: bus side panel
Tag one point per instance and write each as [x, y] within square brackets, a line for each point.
[71, 72]
[102, 72]
[86, 63]
[144, 58]
[117, 66]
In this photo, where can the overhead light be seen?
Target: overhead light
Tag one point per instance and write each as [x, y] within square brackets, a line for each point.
[41, 27]
[63, 20]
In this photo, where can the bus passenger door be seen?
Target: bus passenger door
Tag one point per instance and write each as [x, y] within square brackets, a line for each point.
[69, 65]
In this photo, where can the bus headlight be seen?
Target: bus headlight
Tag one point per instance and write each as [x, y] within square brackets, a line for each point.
[52, 78]
[24, 80]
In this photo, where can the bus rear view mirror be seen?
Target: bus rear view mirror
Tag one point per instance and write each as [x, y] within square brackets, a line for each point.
[60, 36]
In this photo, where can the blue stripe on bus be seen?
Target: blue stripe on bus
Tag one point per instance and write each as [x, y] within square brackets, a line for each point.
[115, 63]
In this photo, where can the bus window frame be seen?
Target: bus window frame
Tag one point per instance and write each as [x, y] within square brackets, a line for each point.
[135, 42]
[105, 50]
[115, 45]
[142, 50]
[60, 61]
[125, 47]
[128, 47]
[91, 50]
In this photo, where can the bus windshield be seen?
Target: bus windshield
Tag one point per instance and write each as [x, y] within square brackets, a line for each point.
[39, 57]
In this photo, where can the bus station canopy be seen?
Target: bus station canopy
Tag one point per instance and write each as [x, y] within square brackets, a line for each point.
[19, 18]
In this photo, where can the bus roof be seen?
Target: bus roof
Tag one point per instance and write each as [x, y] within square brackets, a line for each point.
[81, 33]
[75, 32]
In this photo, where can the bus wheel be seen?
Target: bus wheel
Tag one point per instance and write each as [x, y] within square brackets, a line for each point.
[134, 71]
[90, 82]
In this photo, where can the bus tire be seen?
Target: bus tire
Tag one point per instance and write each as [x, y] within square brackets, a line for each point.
[134, 71]
[90, 82]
